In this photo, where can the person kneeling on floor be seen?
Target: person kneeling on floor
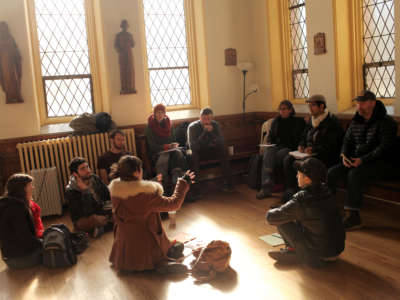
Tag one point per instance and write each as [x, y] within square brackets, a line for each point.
[309, 222]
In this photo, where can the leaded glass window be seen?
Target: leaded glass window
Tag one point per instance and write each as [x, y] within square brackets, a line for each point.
[379, 47]
[298, 37]
[167, 52]
[64, 57]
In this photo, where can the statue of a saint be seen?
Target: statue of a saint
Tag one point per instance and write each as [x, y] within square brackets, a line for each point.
[10, 66]
[123, 44]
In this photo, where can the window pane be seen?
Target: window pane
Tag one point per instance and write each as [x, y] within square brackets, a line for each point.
[170, 87]
[64, 54]
[298, 37]
[379, 47]
[167, 56]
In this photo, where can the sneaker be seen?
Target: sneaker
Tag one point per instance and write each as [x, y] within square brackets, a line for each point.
[284, 255]
[353, 221]
[263, 193]
[228, 188]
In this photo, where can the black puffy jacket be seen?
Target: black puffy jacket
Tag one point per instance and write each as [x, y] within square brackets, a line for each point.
[370, 140]
[325, 140]
[314, 209]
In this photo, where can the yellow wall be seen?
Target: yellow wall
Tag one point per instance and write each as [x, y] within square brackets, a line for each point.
[239, 24]
[20, 119]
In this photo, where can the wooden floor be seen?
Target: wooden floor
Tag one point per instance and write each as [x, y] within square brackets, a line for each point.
[369, 268]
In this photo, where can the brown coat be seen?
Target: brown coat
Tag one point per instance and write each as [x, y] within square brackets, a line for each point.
[140, 242]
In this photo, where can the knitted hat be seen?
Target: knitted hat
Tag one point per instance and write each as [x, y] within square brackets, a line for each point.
[159, 107]
[313, 168]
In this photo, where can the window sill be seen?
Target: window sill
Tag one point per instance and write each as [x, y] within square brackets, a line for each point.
[55, 128]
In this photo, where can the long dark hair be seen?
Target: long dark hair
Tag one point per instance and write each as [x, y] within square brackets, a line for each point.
[127, 165]
[15, 186]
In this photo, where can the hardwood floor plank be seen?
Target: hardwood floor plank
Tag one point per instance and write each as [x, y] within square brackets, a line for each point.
[369, 268]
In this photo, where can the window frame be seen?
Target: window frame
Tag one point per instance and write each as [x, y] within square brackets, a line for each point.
[94, 32]
[289, 54]
[349, 52]
[192, 59]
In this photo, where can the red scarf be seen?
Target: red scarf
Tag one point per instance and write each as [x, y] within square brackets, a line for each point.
[161, 131]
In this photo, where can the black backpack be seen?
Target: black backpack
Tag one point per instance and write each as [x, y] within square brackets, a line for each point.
[181, 133]
[58, 250]
[254, 171]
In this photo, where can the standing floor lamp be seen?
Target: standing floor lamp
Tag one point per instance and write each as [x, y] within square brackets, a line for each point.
[245, 67]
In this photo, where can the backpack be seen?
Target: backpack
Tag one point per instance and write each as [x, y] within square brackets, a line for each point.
[254, 171]
[80, 241]
[210, 260]
[181, 133]
[57, 247]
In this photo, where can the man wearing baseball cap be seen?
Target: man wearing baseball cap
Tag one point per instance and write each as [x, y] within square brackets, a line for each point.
[365, 154]
[322, 138]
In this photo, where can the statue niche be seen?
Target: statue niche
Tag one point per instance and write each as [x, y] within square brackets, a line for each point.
[124, 44]
[10, 66]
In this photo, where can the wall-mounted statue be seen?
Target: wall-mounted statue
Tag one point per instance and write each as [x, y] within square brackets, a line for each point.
[124, 44]
[10, 66]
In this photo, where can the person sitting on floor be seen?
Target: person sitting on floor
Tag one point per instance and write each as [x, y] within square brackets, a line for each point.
[169, 160]
[88, 198]
[285, 133]
[206, 142]
[322, 139]
[105, 161]
[366, 154]
[20, 246]
[309, 222]
[140, 242]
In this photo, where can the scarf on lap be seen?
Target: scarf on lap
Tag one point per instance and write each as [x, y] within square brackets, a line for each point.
[162, 129]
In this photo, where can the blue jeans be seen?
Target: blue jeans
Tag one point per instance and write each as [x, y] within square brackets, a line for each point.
[356, 179]
[272, 160]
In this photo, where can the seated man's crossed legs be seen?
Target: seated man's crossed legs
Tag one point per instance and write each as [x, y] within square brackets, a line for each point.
[273, 158]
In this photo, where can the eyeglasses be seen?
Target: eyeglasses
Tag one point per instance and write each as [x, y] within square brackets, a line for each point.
[283, 108]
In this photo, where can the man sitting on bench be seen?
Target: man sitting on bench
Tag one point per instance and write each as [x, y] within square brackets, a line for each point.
[365, 153]
[207, 143]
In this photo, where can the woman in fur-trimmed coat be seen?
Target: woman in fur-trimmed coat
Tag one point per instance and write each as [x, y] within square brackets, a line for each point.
[140, 242]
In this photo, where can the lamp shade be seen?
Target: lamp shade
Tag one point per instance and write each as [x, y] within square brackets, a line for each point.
[245, 66]
[253, 88]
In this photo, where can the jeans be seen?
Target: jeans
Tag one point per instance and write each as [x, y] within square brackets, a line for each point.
[168, 161]
[273, 158]
[356, 179]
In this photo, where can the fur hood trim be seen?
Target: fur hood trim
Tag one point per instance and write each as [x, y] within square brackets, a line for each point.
[125, 189]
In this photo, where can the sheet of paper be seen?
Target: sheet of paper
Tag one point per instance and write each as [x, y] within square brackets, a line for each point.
[274, 239]
[299, 155]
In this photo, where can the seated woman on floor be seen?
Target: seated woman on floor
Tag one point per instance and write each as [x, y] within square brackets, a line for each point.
[285, 133]
[160, 137]
[20, 246]
[140, 242]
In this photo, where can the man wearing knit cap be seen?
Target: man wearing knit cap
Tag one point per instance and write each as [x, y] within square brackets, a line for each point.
[367, 153]
[322, 139]
[309, 222]
[206, 142]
